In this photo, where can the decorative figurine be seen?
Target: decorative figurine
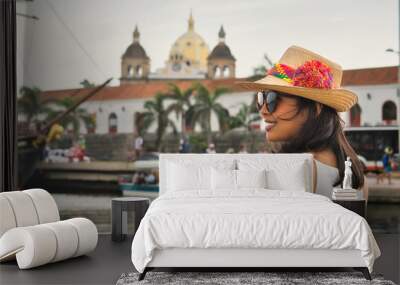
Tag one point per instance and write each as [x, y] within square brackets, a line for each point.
[347, 181]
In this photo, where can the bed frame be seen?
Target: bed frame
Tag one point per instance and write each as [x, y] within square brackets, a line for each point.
[248, 259]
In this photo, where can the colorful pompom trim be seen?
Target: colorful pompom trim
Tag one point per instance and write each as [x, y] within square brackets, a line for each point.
[311, 74]
[282, 71]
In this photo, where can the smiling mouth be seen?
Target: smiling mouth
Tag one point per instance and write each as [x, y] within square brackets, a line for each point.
[269, 125]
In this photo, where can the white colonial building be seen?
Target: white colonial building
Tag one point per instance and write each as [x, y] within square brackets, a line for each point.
[115, 107]
[189, 61]
[377, 96]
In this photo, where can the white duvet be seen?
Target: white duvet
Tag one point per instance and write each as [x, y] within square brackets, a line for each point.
[253, 218]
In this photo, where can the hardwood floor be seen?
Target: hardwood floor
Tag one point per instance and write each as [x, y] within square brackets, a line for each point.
[103, 266]
[111, 259]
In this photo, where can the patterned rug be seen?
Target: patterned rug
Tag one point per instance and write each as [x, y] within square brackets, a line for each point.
[225, 278]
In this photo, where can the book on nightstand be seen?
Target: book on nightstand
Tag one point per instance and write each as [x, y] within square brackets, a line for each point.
[345, 194]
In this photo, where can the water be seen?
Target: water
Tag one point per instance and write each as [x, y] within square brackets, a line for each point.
[384, 217]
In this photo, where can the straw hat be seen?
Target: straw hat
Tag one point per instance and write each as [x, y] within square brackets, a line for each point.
[306, 74]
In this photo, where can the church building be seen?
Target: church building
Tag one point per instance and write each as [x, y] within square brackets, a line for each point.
[189, 58]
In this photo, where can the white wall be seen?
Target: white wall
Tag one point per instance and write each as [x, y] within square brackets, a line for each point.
[371, 108]
[231, 101]
[125, 118]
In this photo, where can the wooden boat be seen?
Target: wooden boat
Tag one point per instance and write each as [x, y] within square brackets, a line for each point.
[139, 190]
[129, 188]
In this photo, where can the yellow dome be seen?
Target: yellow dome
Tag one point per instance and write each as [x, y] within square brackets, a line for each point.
[189, 49]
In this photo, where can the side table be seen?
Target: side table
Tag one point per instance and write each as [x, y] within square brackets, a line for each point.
[357, 206]
[119, 214]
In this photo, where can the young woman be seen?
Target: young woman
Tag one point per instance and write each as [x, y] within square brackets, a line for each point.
[299, 100]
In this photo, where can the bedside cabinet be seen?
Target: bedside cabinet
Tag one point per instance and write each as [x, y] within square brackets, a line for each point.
[357, 206]
[119, 214]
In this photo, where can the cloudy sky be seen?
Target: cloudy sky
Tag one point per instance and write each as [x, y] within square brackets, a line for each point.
[77, 39]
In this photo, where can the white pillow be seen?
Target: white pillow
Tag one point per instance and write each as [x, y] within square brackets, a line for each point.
[223, 179]
[294, 180]
[188, 175]
[183, 177]
[231, 180]
[282, 174]
[251, 178]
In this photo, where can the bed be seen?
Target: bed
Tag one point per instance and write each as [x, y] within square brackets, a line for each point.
[245, 211]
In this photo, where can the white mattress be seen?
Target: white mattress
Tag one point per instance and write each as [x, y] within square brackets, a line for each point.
[256, 218]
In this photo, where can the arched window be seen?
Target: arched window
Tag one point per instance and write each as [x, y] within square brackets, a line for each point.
[112, 123]
[138, 71]
[389, 112]
[217, 71]
[130, 71]
[91, 126]
[355, 116]
[225, 71]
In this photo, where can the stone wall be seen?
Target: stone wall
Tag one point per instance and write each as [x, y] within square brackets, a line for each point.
[109, 147]
[119, 147]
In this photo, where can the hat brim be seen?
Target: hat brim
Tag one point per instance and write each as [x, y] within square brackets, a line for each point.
[339, 99]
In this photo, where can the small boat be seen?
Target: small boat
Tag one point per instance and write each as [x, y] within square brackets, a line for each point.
[142, 189]
[139, 190]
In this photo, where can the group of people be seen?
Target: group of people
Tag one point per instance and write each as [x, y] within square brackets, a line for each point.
[211, 149]
[184, 146]
[142, 177]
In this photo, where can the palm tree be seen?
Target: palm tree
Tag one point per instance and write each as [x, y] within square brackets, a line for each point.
[75, 117]
[181, 105]
[142, 122]
[206, 104]
[30, 105]
[259, 70]
[244, 118]
[156, 113]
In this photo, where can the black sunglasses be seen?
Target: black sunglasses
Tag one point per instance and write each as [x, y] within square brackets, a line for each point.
[270, 98]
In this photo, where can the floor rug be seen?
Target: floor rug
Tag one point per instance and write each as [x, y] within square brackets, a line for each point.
[225, 278]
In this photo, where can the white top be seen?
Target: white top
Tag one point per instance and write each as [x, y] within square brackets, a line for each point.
[326, 177]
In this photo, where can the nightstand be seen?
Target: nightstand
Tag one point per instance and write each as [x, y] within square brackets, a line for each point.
[119, 214]
[357, 206]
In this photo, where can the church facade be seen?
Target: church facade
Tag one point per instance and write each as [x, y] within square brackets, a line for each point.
[189, 58]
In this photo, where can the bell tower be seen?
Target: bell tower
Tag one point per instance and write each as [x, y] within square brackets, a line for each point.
[135, 64]
[221, 62]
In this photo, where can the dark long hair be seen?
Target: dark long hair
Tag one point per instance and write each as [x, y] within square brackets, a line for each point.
[321, 132]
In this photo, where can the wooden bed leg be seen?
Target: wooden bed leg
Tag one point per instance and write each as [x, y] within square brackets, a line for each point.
[364, 271]
[143, 274]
